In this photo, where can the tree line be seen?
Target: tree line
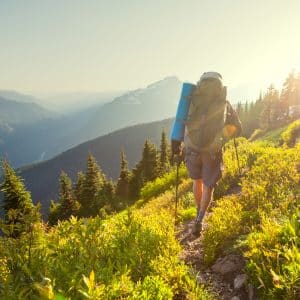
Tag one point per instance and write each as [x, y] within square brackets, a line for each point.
[273, 108]
[92, 194]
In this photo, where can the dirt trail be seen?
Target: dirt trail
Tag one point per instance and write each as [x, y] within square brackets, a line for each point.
[226, 278]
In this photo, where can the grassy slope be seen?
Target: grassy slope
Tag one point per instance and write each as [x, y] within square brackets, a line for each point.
[134, 254]
[260, 222]
[130, 255]
[273, 136]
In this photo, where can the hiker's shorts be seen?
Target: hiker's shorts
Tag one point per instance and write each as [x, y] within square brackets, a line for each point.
[204, 165]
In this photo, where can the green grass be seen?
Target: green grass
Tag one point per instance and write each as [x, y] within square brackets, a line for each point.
[262, 223]
[130, 255]
[273, 136]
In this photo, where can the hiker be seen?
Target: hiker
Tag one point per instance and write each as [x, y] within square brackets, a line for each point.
[210, 121]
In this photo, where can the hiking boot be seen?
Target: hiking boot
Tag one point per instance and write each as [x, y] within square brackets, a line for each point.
[198, 223]
[197, 227]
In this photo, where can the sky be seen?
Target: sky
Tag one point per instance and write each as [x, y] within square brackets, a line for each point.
[94, 45]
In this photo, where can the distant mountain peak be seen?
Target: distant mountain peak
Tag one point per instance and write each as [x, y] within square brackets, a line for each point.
[165, 81]
[133, 97]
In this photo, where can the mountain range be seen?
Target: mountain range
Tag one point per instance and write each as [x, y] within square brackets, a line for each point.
[46, 137]
[46, 142]
[41, 179]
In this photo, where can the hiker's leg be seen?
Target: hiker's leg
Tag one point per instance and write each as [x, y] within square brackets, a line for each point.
[211, 174]
[206, 197]
[205, 201]
[197, 190]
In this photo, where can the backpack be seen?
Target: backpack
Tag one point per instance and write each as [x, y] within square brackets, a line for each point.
[205, 122]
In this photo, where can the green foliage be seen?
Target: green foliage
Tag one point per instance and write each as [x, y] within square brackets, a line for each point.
[247, 155]
[277, 189]
[134, 254]
[149, 162]
[152, 287]
[271, 110]
[161, 176]
[92, 185]
[147, 169]
[291, 134]
[187, 208]
[164, 154]
[122, 189]
[262, 221]
[91, 194]
[78, 189]
[131, 255]
[187, 214]
[67, 204]
[224, 226]
[15, 194]
[19, 210]
[274, 258]
[273, 137]
[161, 184]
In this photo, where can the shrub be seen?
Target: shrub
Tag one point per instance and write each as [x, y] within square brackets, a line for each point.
[152, 287]
[247, 154]
[274, 258]
[161, 184]
[120, 257]
[270, 186]
[292, 132]
[224, 224]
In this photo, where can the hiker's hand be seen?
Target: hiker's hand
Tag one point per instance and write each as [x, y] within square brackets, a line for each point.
[176, 147]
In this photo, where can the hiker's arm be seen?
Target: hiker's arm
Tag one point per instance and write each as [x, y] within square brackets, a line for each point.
[233, 125]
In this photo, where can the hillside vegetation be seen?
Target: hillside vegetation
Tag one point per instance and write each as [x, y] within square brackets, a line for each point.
[262, 221]
[134, 254]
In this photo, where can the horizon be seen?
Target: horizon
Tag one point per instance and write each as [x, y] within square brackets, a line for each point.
[243, 93]
[47, 51]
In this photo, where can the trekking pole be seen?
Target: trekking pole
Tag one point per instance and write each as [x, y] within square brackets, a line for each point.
[176, 189]
[237, 156]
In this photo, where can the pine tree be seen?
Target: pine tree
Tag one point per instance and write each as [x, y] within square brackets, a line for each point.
[68, 204]
[164, 154]
[288, 94]
[270, 112]
[122, 189]
[93, 183]
[54, 212]
[17, 203]
[149, 163]
[136, 181]
[79, 186]
[108, 195]
[258, 107]
[146, 169]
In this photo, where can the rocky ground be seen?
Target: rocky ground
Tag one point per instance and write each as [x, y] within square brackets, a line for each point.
[225, 278]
